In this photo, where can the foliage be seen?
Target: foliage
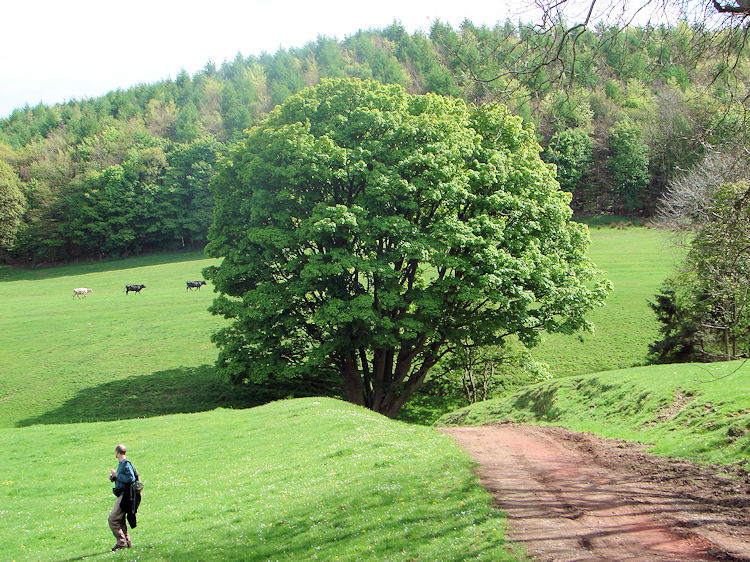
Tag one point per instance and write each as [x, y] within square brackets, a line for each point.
[475, 373]
[365, 231]
[717, 274]
[629, 165]
[186, 197]
[719, 262]
[296, 479]
[690, 410]
[136, 193]
[12, 205]
[707, 309]
[680, 321]
[571, 151]
[648, 76]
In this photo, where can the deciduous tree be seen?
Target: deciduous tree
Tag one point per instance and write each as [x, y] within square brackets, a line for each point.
[365, 231]
[629, 164]
[12, 204]
[570, 150]
[718, 265]
[705, 308]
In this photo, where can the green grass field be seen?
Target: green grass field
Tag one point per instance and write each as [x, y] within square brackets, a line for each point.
[108, 355]
[696, 411]
[308, 478]
[636, 260]
[299, 479]
[111, 356]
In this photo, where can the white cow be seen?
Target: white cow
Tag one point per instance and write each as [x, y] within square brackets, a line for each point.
[82, 292]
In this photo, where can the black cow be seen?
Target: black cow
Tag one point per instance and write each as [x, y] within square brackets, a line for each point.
[194, 285]
[136, 288]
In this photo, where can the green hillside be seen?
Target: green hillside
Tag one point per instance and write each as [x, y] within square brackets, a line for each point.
[636, 260]
[69, 360]
[128, 172]
[304, 479]
[108, 355]
[307, 478]
[697, 411]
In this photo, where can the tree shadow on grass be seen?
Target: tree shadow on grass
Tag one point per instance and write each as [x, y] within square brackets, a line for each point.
[353, 524]
[175, 391]
[540, 402]
[9, 273]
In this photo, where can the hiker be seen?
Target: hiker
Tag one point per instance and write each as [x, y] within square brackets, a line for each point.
[124, 478]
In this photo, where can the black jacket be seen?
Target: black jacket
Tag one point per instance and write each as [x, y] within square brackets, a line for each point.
[131, 499]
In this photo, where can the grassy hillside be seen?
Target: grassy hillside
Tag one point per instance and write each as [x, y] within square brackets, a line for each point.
[111, 356]
[691, 410]
[108, 355]
[636, 260]
[305, 479]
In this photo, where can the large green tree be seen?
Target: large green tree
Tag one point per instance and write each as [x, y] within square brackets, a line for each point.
[12, 205]
[570, 150]
[717, 268]
[365, 232]
[629, 165]
[184, 198]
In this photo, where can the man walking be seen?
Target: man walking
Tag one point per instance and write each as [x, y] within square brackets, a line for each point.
[123, 478]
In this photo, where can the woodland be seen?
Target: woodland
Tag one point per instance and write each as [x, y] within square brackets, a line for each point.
[621, 115]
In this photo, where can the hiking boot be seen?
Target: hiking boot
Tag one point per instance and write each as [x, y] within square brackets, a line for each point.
[118, 546]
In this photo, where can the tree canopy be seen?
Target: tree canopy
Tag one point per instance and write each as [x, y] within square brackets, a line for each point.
[704, 307]
[366, 231]
[674, 86]
[12, 203]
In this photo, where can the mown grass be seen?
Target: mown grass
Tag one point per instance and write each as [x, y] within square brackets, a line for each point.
[297, 479]
[636, 260]
[696, 411]
[109, 355]
[112, 356]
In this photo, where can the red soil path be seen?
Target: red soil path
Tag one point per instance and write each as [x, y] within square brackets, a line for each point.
[572, 496]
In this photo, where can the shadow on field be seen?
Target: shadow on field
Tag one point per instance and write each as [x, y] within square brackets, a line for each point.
[539, 401]
[351, 525]
[176, 391]
[8, 273]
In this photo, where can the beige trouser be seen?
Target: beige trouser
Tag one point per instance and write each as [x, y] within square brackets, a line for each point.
[118, 523]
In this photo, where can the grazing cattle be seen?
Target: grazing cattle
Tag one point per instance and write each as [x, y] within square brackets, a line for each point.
[136, 288]
[82, 292]
[194, 285]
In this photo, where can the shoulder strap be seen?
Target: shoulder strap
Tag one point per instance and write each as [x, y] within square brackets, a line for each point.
[135, 471]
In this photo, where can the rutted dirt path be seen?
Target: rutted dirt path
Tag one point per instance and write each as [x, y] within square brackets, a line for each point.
[572, 496]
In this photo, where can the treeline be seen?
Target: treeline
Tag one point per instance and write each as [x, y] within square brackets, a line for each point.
[129, 171]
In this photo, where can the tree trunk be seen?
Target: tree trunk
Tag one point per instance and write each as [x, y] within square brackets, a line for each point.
[353, 389]
[726, 342]
[394, 402]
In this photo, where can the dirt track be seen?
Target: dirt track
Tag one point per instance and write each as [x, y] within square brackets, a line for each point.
[572, 496]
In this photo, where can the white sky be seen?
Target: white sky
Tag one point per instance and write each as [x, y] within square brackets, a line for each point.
[53, 51]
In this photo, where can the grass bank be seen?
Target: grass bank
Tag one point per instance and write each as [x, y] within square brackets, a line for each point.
[304, 479]
[696, 411]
